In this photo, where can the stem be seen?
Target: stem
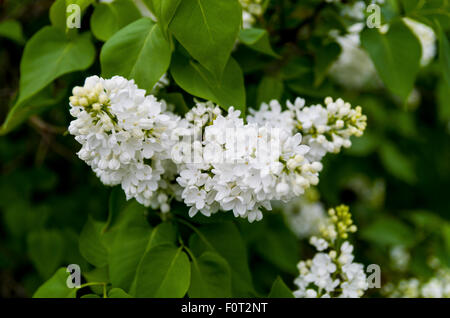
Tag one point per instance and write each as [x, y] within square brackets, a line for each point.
[203, 238]
[190, 253]
[95, 284]
[91, 284]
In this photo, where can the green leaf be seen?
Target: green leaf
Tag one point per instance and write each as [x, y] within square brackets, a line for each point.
[177, 100]
[83, 4]
[444, 57]
[12, 30]
[47, 56]
[95, 276]
[388, 232]
[40, 102]
[90, 296]
[208, 30]
[56, 287]
[139, 51]
[443, 98]
[396, 56]
[304, 86]
[99, 274]
[426, 220]
[324, 58]
[268, 89]
[196, 80]
[72, 253]
[364, 145]
[429, 11]
[258, 40]
[446, 236]
[165, 272]
[163, 233]
[57, 14]
[210, 277]
[91, 244]
[397, 163]
[128, 246]
[296, 67]
[118, 293]
[278, 245]
[108, 18]
[46, 250]
[225, 239]
[117, 203]
[280, 290]
[164, 10]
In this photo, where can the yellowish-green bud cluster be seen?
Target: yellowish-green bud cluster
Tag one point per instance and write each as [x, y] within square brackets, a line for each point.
[342, 218]
[340, 224]
[94, 98]
[344, 120]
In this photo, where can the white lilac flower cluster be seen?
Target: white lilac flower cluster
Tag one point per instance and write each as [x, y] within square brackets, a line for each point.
[324, 128]
[276, 156]
[210, 160]
[332, 271]
[125, 135]
[243, 166]
[251, 10]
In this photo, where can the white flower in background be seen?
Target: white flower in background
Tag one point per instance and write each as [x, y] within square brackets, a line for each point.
[354, 68]
[332, 272]
[438, 286]
[433, 289]
[309, 219]
[303, 215]
[357, 10]
[124, 134]
[251, 10]
[408, 288]
[354, 11]
[162, 83]
[427, 39]
[399, 257]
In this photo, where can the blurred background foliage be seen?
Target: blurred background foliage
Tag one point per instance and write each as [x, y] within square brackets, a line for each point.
[396, 178]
